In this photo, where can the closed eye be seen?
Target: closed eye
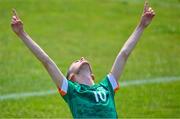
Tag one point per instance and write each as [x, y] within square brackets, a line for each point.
[76, 61]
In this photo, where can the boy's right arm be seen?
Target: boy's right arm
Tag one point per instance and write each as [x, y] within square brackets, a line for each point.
[55, 73]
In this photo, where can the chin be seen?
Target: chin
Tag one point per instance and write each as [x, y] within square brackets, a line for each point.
[84, 63]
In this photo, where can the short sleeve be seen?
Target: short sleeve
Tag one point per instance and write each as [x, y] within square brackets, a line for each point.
[64, 87]
[113, 82]
[110, 83]
[67, 89]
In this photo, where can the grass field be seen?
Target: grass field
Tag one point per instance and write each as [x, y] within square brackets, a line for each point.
[95, 29]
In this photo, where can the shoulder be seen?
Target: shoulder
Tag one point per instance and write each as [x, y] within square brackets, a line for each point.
[110, 82]
[67, 86]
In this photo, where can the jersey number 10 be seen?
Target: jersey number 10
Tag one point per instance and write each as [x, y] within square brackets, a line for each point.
[100, 95]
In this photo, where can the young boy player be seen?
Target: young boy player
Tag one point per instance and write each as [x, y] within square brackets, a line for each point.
[86, 99]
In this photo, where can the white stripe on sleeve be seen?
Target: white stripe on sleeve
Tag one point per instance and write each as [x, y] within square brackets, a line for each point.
[64, 87]
[113, 82]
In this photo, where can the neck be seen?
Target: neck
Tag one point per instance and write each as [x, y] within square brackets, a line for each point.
[86, 80]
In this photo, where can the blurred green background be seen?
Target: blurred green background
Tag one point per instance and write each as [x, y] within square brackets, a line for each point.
[95, 29]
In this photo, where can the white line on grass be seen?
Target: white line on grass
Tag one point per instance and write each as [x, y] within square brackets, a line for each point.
[122, 84]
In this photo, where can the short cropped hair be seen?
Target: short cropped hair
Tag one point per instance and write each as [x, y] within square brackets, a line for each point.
[68, 73]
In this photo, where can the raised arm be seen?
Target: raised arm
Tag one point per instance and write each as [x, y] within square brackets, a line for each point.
[126, 50]
[55, 73]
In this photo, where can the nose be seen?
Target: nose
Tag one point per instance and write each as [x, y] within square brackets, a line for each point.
[82, 58]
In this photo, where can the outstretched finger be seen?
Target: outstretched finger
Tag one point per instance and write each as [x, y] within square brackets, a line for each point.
[15, 13]
[146, 6]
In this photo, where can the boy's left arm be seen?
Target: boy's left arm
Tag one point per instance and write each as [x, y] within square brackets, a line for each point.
[126, 50]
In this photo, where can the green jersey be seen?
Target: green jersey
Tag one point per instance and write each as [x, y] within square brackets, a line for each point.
[95, 101]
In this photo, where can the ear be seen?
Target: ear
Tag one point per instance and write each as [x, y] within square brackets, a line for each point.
[92, 75]
[72, 77]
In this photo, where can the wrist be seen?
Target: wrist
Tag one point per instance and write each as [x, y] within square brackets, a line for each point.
[140, 27]
[21, 33]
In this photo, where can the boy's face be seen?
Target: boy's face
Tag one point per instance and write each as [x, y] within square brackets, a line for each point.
[79, 67]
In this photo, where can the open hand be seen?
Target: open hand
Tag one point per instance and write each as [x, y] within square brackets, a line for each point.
[16, 23]
[147, 15]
